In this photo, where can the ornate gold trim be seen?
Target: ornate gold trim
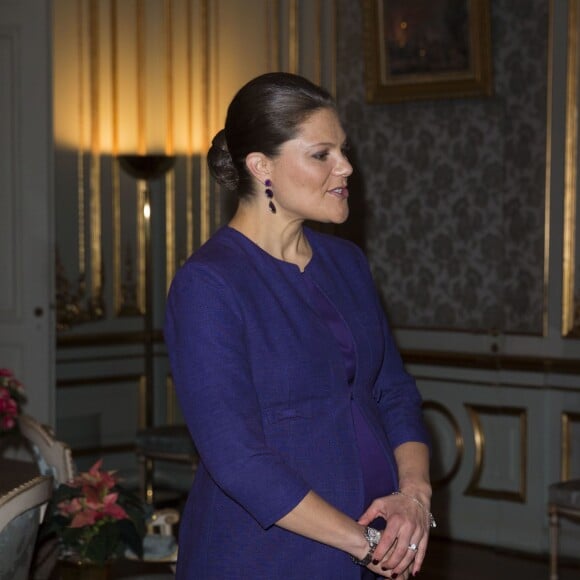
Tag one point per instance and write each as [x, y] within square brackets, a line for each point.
[169, 227]
[118, 303]
[212, 55]
[569, 322]
[95, 231]
[204, 202]
[211, 191]
[459, 442]
[30, 494]
[141, 225]
[169, 147]
[116, 185]
[189, 190]
[566, 419]
[82, 146]
[548, 176]
[168, 31]
[204, 183]
[95, 175]
[473, 488]
[381, 87]
[189, 202]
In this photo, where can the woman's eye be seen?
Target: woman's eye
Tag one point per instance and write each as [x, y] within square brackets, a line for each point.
[321, 156]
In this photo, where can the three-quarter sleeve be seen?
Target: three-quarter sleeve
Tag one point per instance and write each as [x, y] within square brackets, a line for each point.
[205, 336]
[395, 390]
[399, 399]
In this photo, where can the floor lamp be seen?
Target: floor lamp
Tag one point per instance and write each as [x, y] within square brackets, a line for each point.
[148, 168]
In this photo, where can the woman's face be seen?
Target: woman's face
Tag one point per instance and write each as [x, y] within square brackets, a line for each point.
[309, 176]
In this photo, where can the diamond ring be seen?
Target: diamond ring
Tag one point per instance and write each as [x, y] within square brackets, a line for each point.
[412, 547]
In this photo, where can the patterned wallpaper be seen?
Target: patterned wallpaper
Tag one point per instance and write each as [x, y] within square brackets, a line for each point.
[451, 192]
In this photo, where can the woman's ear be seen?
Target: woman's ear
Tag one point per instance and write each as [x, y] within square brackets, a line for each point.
[258, 165]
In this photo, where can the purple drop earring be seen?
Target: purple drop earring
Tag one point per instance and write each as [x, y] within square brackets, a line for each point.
[270, 195]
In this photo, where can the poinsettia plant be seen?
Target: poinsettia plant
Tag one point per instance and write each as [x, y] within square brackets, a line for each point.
[12, 398]
[95, 518]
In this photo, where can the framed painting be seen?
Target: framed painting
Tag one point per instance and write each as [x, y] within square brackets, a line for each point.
[426, 49]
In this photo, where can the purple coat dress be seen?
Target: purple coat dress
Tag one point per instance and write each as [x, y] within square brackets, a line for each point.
[289, 381]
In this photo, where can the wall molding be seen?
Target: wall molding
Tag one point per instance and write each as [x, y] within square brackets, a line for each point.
[475, 487]
[491, 361]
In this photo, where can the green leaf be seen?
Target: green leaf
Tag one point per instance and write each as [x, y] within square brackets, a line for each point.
[104, 544]
[131, 537]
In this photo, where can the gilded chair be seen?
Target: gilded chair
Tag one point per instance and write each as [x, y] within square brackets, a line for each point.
[563, 501]
[171, 443]
[54, 458]
[21, 513]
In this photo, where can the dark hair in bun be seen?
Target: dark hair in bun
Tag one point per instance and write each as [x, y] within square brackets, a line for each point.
[263, 115]
[221, 163]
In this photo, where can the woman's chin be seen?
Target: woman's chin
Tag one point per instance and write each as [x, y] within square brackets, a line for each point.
[336, 215]
[341, 217]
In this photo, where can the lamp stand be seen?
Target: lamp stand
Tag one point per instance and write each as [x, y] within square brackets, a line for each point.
[148, 168]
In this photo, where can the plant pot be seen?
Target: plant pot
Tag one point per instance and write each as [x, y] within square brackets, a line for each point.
[76, 570]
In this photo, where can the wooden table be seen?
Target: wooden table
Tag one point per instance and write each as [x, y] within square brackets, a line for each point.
[15, 472]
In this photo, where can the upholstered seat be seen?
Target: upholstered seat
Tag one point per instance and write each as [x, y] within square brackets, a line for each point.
[53, 458]
[21, 512]
[167, 443]
[566, 494]
[563, 500]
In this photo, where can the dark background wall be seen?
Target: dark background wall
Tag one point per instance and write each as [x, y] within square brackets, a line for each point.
[451, 192]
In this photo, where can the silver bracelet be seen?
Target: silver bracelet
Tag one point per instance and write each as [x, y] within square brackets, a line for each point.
[430, 519]
[373, 537]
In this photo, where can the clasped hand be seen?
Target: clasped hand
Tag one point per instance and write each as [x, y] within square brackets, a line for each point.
[407, 528]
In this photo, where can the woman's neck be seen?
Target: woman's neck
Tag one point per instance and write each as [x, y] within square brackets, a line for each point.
[282, 239]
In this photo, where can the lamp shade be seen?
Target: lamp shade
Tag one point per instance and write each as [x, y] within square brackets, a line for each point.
[146, 166]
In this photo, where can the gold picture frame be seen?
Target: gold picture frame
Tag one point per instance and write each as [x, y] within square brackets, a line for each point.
[420, 49]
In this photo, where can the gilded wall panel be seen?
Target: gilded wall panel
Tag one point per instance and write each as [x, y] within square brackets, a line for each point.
[570, 447]
[500, 438]
[571, 257]
[447, 441]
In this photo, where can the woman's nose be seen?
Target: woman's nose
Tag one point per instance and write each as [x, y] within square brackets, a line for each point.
[343, 167]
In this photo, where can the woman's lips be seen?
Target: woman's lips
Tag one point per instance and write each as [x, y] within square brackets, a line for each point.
[341, 192]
